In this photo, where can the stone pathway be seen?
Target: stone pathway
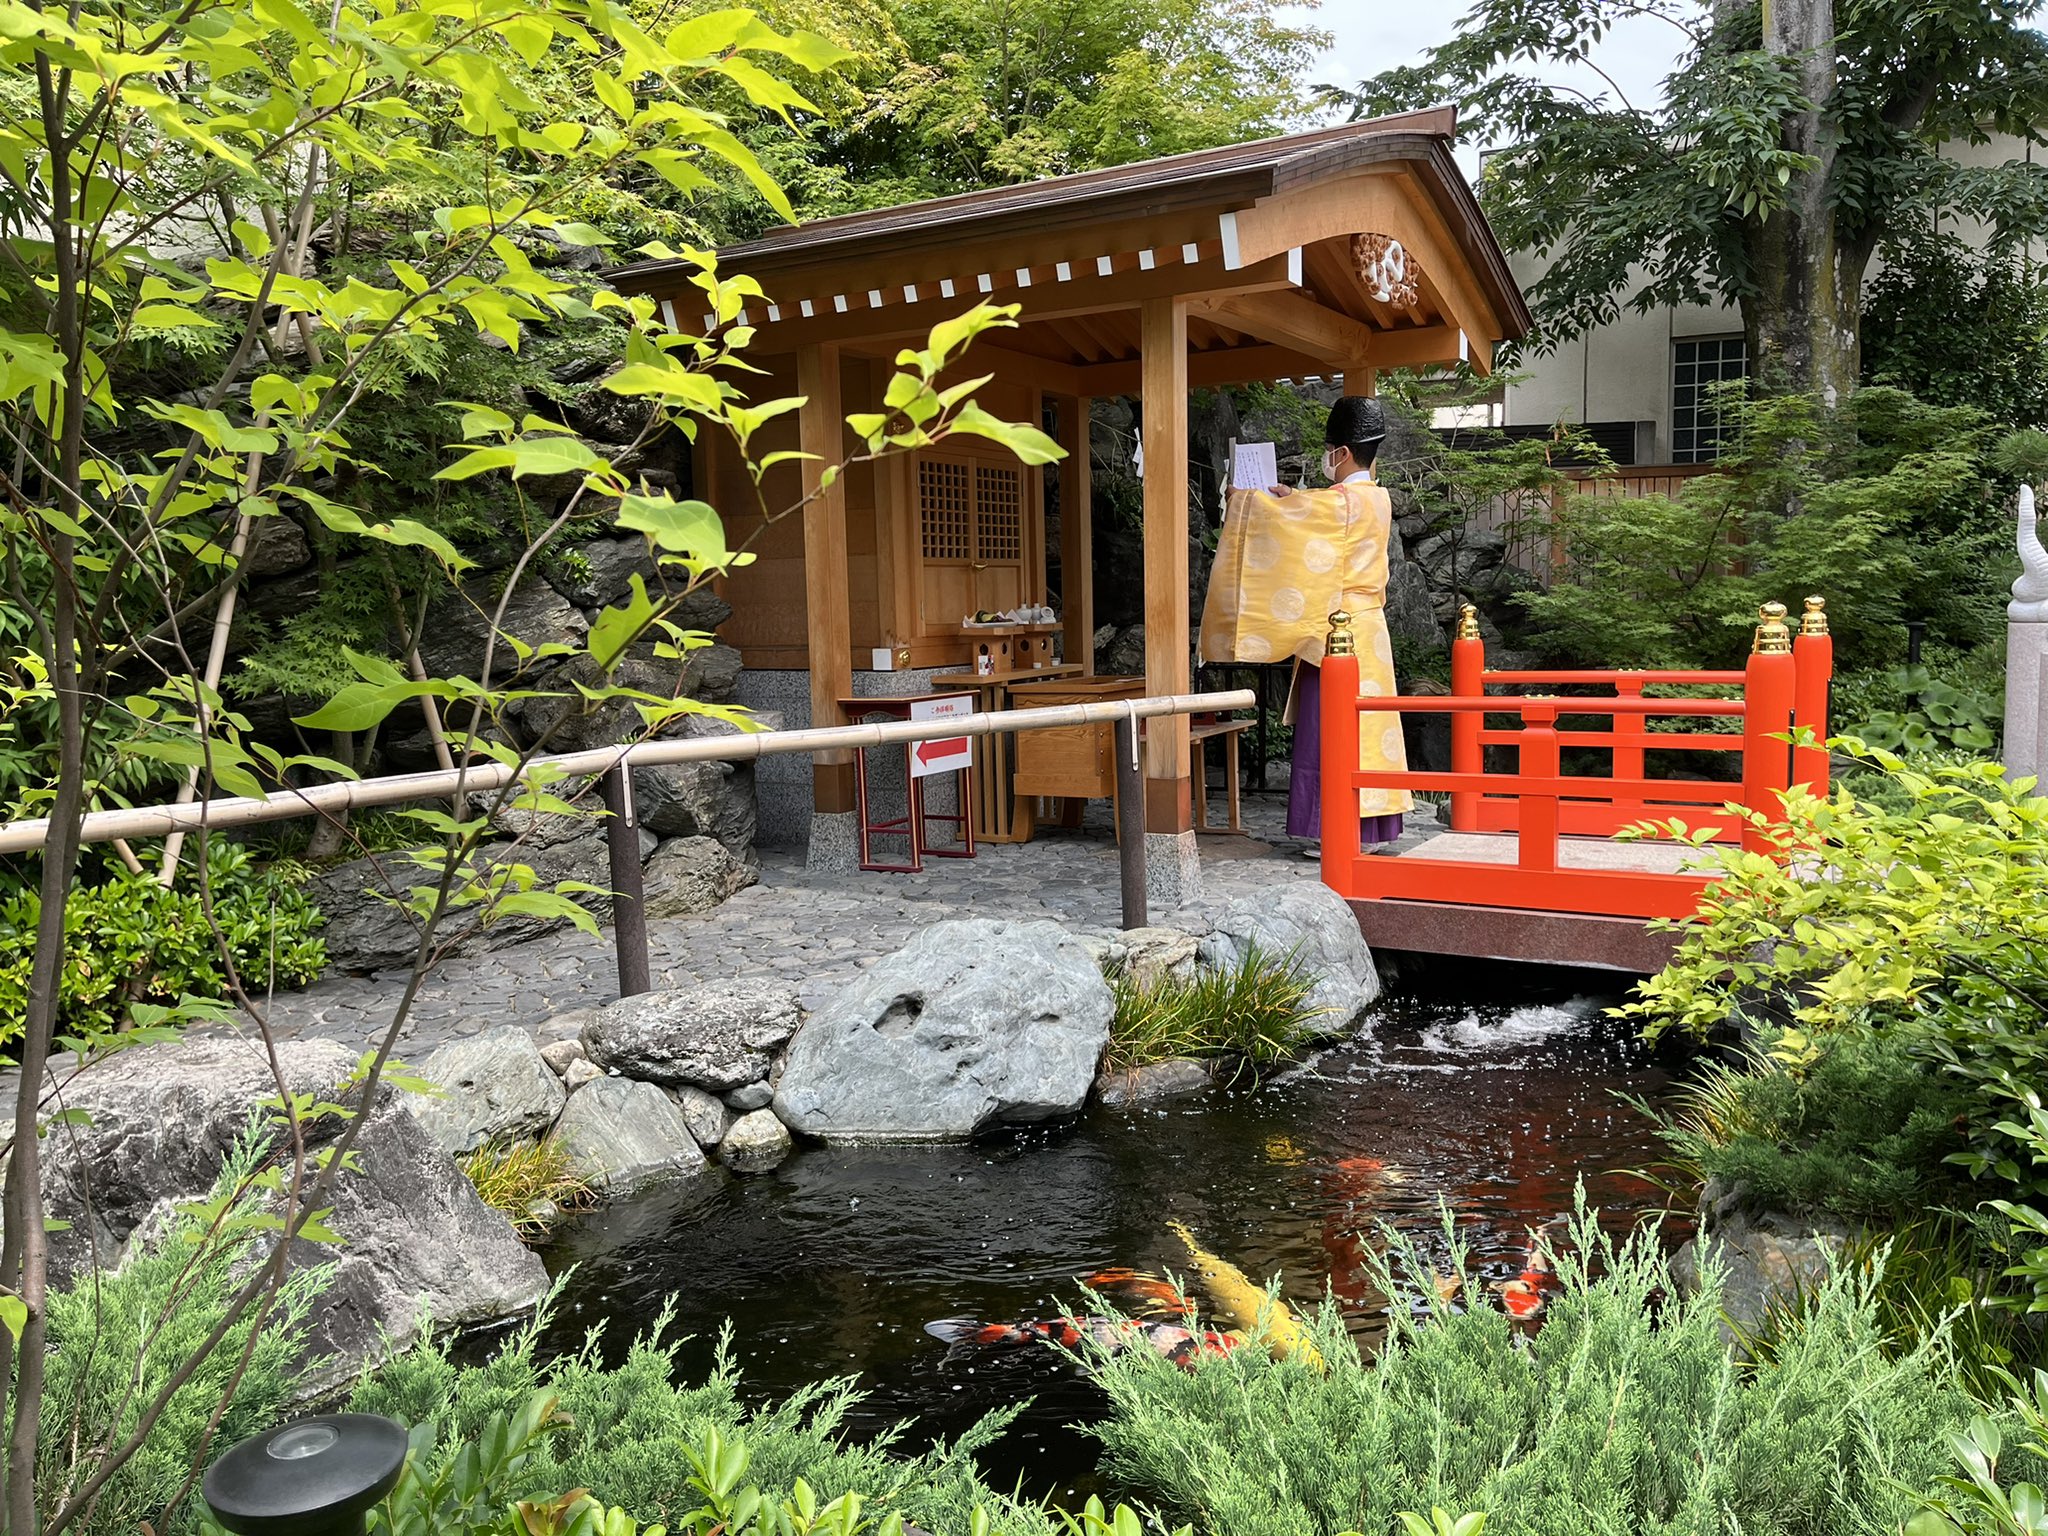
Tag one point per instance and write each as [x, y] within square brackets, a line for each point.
[813, 930]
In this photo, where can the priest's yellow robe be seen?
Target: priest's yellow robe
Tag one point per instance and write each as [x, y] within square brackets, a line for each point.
[1284, 564]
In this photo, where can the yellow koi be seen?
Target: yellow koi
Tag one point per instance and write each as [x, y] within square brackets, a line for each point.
[1239, 1302]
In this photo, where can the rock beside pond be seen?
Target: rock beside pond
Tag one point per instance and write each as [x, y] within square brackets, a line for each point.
[1154, 954]
[560, 1054]
[705, 1114]
[750, 1096]
[1317, 926]
[717, 1036]
[1150, 1084]
[493, 1085]
[418, 1242]
[580, 1071]
[415, 1241]
[756, 1143]
[972, 1023]
[1762, 1256]
[621, 1136]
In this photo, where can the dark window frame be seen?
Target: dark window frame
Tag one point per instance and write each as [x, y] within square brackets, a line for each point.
[1697, 363]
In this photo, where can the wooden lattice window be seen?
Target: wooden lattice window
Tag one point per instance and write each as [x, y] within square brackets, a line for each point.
[998, 512]
[944, 508]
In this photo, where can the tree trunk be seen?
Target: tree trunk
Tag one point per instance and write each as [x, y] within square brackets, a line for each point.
[1802, 317]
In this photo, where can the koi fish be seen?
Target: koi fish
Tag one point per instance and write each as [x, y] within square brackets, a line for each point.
[1152, 1290]
[1240, 1302]
[1182, 1346]
[1522, 1297]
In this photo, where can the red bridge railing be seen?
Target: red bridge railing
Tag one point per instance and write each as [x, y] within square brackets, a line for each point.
[1783, 686]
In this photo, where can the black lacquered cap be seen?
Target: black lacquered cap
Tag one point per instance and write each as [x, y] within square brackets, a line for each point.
[308, 1476]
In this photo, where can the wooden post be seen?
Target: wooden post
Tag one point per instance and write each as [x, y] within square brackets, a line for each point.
[1130, 821]
[629, 896]
[1169, 803]
[1768, 685]
[830, 633]
[1361, 379]
[1338, 679]
[1077, 535]
[1468, 681]
[1536, 823]
[1813, 660]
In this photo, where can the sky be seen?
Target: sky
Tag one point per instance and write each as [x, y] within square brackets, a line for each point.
[1373, 35]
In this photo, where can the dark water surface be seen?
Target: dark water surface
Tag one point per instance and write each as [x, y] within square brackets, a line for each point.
[1491, 1088]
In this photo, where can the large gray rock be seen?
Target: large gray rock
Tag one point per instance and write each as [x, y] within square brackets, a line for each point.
[690, 875]
[1150, 1084]
[417, 1242]
[1311, 922]
[494, 1086]
[705, 1114]
[717, 1036]
[621, 1136]
[1762, 1258]
[971, 1023]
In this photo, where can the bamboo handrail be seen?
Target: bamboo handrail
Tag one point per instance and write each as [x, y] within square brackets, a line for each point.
[394, 789]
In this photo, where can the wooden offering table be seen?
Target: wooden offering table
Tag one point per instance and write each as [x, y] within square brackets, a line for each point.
[1073, 763]
[999, 817]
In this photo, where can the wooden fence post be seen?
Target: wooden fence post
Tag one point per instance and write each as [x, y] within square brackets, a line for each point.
[1468, 680]
[1769, 683]
[1536, 823]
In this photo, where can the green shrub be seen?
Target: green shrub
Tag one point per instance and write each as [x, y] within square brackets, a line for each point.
[1253, 1014]
[1626, 1413]
[116, 1338]
[1866, 1130]
[131, 940]
[629, 1429]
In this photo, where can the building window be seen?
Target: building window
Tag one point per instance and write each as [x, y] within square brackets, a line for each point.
[1696, 366]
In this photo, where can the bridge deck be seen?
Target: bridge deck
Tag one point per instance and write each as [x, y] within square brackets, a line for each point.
[1509, 933]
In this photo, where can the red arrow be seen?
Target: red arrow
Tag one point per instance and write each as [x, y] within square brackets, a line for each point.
[927, 751]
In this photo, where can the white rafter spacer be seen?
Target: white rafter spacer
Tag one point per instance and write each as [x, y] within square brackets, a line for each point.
[839, 302]
[945, 288]
[1104, 265]
[1147, 259]
[668, 314]
[985, 283]
[1190, 253]
[874, 298]
[774, 313]
[1023, 277]
[1227, 227]
[1294, 265]
[1064, 272]
[804, 308]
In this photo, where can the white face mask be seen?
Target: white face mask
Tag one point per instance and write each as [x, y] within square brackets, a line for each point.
[1330, 463]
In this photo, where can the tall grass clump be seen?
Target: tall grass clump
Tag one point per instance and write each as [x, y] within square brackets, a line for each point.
[627, 1431]
[528, 1182]
[1250, 1015]
[1627, 1412]
[116, 1337]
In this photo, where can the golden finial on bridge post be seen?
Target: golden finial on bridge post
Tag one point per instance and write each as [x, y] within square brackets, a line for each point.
[1468, 622]
[1815, 620]
[1773, 636]
[1340, 641]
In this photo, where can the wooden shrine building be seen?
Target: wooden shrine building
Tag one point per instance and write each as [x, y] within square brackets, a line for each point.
[1334, 253]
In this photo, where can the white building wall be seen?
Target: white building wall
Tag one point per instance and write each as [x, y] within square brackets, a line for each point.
[1622, 371]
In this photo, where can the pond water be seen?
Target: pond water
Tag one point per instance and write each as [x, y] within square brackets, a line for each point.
[1494, 1089]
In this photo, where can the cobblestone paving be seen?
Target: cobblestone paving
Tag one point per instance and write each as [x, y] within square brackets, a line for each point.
[814, 930]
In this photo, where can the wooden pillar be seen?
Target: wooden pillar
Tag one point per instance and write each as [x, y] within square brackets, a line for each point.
[1362, 379]
[1077, 534]
[1169, 804]
[820, 431]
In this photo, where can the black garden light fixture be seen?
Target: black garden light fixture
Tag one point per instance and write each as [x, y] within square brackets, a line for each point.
[312, 1477]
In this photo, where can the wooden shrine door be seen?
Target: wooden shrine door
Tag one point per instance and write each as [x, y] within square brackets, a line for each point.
[971, 528]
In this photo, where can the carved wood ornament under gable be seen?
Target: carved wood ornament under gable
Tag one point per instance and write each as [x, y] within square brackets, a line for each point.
[1386, 269]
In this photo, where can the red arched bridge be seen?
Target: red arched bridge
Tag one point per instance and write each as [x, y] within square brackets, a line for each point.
[1529, 869]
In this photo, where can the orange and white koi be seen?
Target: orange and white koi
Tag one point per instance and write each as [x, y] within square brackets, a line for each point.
[1183, 1346]
[1522, 1297]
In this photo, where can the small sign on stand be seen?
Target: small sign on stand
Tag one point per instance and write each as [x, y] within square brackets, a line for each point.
[949, 754]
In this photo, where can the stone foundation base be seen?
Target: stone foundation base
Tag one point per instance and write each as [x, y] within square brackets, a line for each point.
[834, 846]
[1173, 871]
